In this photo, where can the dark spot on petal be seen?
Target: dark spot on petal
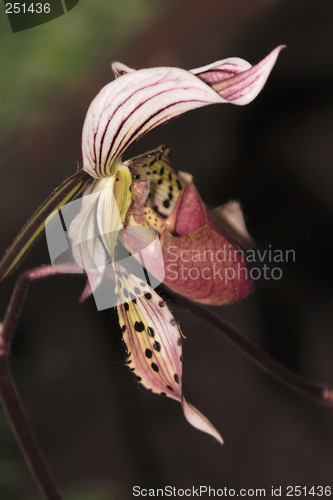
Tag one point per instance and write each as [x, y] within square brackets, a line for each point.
[148, 173]
[159, 182]
[134, 301]
[170, 388]
[176, 378]
[144, 165]
[152, 162]
[138, 378]
[166, 203]
[163, 394]
[170, 188]
[161, 303]
[150, 331]
[172, 322]
[155, 367]
[180, 187]
[162, 171]
[170, 196]
[148, 296]
[157, 346]
[148, 353]
[155, 172]
[179, 341]
[126, 306]
[139, 326]
[181, 358]
[137, 177]
[155, 208]
[123, 328]
[170, 177]
[132, 369]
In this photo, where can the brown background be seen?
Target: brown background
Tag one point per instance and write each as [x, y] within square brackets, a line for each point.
[275, 156]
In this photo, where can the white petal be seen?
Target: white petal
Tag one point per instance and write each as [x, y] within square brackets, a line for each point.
[199, 421]
[138, 101]
[120, 69]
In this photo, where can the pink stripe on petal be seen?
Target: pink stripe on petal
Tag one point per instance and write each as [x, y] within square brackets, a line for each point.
[138, 101]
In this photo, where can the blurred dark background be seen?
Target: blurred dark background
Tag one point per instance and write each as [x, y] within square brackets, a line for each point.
[101, 432]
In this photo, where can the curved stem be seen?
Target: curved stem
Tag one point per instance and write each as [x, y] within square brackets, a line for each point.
[8, 392]
[323, 393]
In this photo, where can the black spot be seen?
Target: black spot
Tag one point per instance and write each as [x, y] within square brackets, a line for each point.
[138, 378]
[166, 203]
[132, 369]
[155, 367]
[176, 378]
[163, 394]
[157, 346]
[134, 301]
[160, 156]
[144, 165]
[125, 293]
[148, 353]
[159, 181]
[172, 322]
[148, 173]
[179, 341]
[123, 328]
[155, 172]
[117, 179]
[161, 303]
[170, 388]
[137, 177]
[181, 358]
[180, 187]
[152, 162]
[170, 188]
[155, 208]
[148, 296]
[127, 362]
[137, 290]
[126, 306]
[170, 177]
[162, 171]
[170, 196]
[139, 326]
[150, 331]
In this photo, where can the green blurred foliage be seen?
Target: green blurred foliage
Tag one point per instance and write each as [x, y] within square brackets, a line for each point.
[54, 57]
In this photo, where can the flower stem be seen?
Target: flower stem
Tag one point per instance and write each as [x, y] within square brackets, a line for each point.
[322, 393]
[8, 392]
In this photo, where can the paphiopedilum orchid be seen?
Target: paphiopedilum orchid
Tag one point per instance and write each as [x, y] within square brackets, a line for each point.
[146, 192]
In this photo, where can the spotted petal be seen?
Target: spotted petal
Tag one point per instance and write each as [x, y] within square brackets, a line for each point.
[138, 101]
[154, 344]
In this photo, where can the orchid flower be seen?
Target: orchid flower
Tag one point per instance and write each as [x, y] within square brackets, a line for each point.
[147, 193]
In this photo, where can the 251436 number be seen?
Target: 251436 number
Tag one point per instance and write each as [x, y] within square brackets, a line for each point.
[38, 8]
[315, 491]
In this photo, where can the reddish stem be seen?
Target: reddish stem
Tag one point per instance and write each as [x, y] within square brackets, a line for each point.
[9, 395]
